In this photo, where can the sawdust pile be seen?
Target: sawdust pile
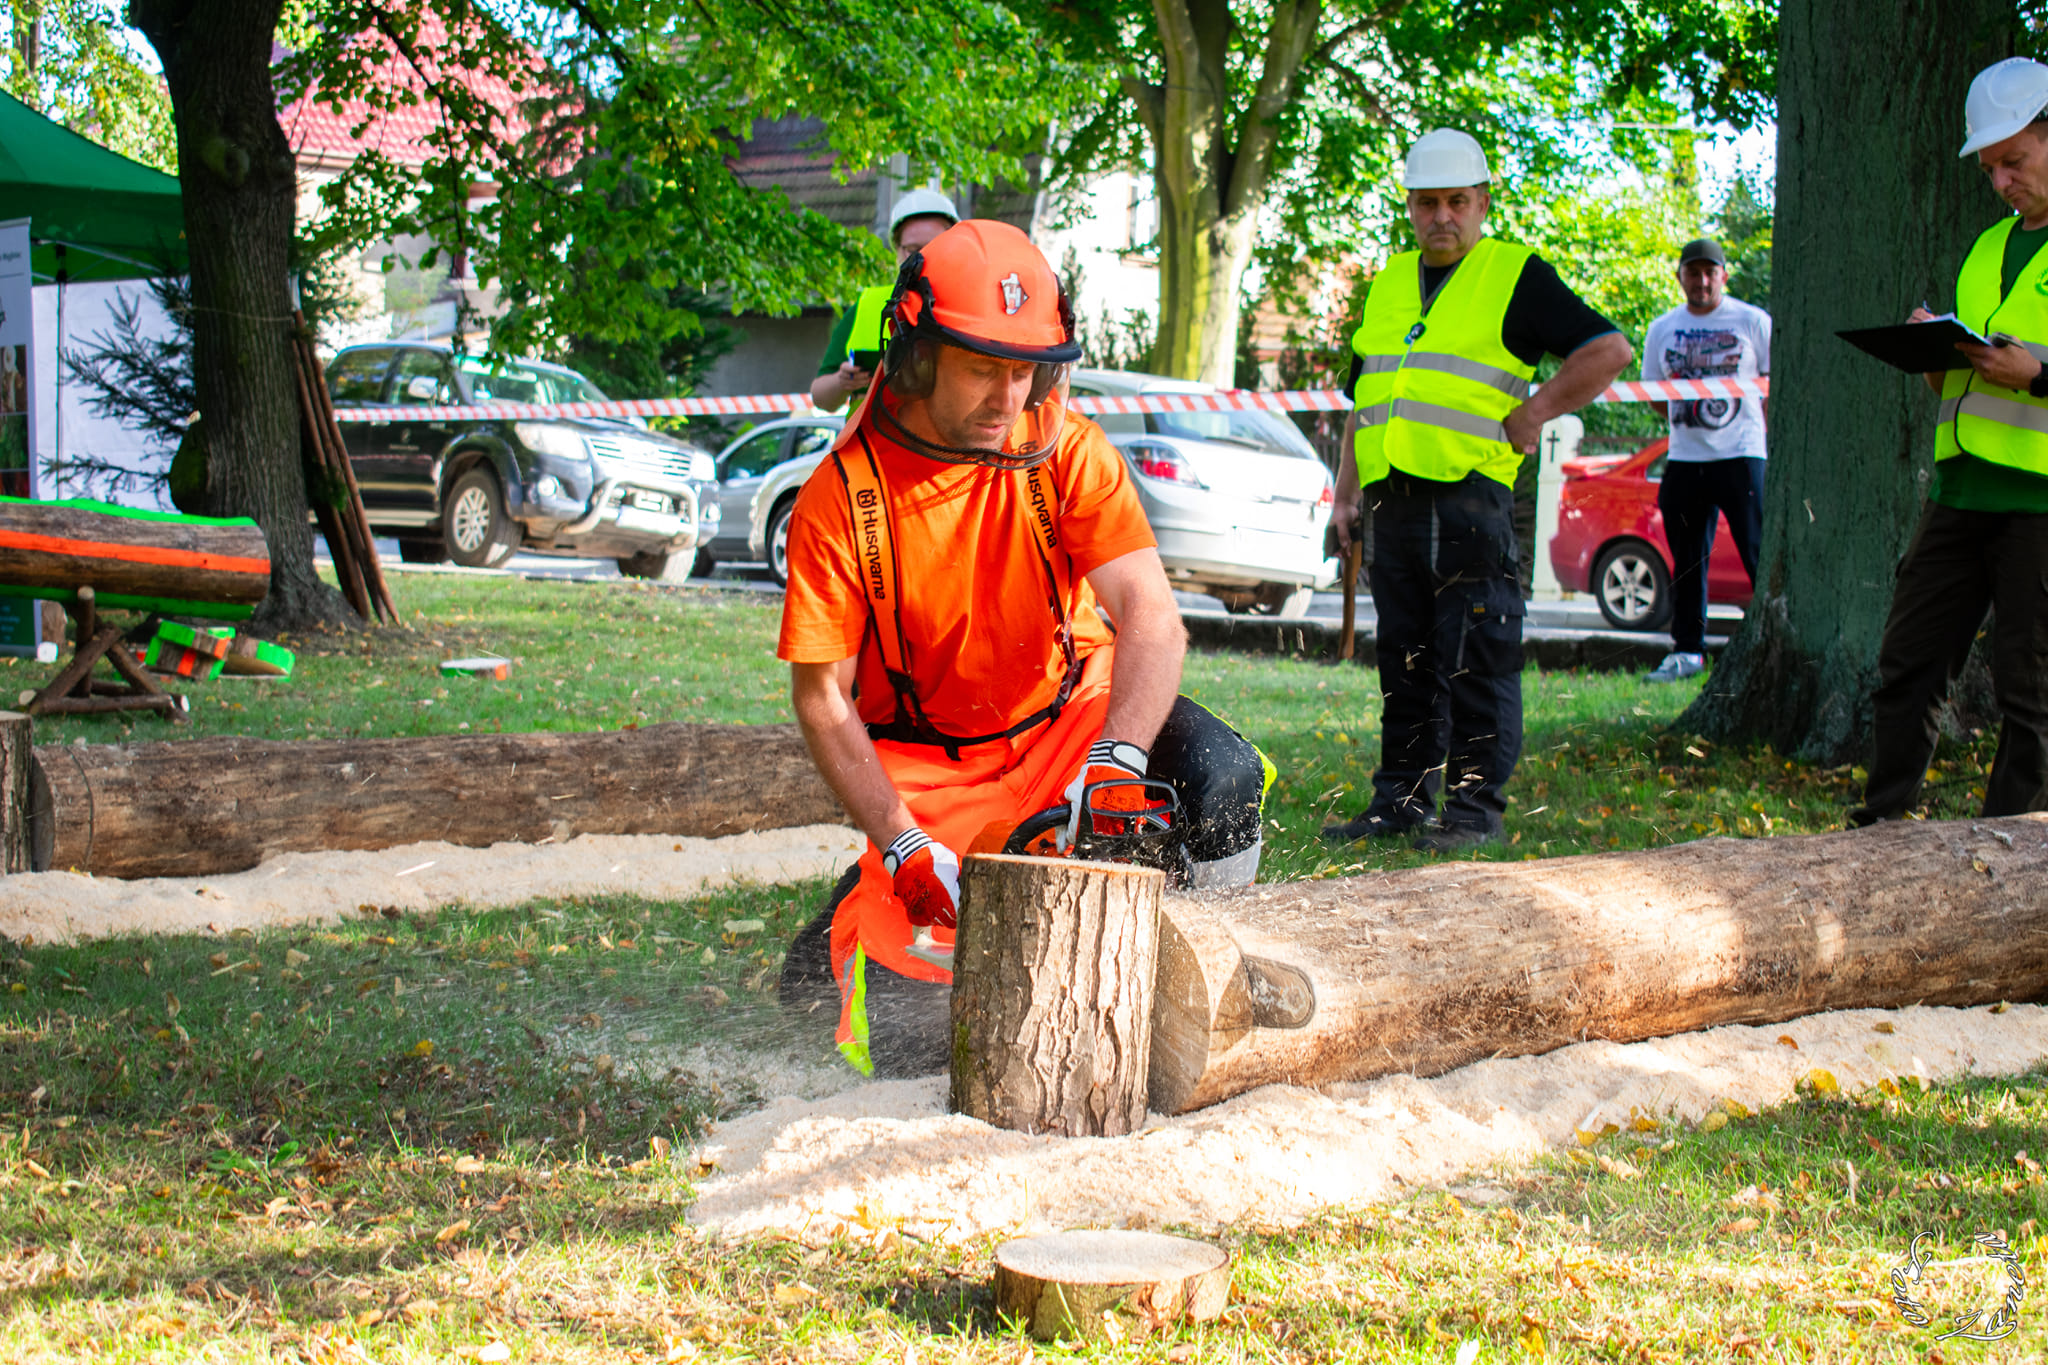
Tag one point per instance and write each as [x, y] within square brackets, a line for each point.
[838, 1156]
[887, 1155]
[295, 888]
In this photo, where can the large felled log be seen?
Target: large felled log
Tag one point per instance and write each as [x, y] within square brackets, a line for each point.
[1052, 994]
[220, 805]
[1426, 970]
[16, 739]
[1065, 1284]
[155, 561]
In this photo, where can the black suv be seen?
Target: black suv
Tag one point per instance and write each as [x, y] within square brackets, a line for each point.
[476, 490]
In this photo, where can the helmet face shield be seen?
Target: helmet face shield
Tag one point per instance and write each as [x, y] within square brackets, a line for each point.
[1031, 438]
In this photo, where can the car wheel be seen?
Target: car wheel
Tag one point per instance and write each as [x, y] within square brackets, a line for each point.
[422, 551]
[778, 541]
[1632, 587]
[646, 564]
[1288, 601]
[473, 522]
[702, 565]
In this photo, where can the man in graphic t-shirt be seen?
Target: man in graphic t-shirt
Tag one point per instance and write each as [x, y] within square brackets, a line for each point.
[1716, 463]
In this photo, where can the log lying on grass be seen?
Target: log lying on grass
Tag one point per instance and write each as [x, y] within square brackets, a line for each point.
[1426, 970]
[153, 561]
[208, 806]
[1065, 1284]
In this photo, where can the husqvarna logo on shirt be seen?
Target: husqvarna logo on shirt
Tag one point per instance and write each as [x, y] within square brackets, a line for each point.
[871, 542]
[1014, 296]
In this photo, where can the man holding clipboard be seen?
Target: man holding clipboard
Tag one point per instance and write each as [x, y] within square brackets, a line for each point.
[1982, 541]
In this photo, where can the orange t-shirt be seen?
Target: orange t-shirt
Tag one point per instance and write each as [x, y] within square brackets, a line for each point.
[971, 581]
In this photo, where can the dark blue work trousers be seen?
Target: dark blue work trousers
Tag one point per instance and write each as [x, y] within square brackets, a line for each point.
[1692, 497]
[1450, 649]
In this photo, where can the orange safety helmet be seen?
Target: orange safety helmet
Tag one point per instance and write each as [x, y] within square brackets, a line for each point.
[981, 286]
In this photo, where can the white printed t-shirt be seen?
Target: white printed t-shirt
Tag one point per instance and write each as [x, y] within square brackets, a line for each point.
[1732, 342]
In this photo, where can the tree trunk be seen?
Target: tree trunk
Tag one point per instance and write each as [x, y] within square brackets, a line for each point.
[1052, 994]
[131, 561]
[1212, 160]
[205, 806]
[1429, 969]
[17, 735]
[1875, 213]
[1067, 1283]
[240, 188]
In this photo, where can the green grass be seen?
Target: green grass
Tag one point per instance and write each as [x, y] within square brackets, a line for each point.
[242, 1148]
[208, 1185]
[1601, 768]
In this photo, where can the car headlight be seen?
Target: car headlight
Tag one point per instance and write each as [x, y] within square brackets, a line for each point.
[545, 438]
[708, 509]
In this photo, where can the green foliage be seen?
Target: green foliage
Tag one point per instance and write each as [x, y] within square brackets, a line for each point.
[1744, 224]
[68, 61]
[616, 197]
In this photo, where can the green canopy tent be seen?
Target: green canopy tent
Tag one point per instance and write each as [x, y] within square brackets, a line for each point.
[93, 214]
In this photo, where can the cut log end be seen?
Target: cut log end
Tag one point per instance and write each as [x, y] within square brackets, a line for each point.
[1071, 1284]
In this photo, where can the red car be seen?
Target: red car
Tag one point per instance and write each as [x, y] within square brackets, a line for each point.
[1610, 541]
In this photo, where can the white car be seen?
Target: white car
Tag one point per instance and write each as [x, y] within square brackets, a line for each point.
[1238, 500]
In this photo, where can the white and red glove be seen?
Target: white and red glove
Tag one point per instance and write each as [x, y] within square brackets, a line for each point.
[1109, 760]
[927, 877]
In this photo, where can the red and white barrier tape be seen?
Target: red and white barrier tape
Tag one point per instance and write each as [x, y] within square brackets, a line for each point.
[1229, 400]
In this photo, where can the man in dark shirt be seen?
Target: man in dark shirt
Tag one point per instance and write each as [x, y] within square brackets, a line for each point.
[1442, 418]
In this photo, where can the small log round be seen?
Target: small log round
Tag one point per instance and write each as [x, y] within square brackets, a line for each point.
[16, 742]
[1052, 994]
[1073, 1284]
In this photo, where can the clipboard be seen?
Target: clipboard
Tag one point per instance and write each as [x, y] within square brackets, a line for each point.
[1917, 347]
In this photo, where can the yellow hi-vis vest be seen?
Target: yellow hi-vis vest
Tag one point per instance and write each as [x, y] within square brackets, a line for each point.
[1433, 386]
[867, 319]
[2003, 426]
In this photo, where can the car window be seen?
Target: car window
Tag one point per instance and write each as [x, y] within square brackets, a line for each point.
[752, 456]
[1655, 473]
[1253, 429]
[511, 382]
[358, 376]
[1115, 423]
[423, 379]
[812, 441]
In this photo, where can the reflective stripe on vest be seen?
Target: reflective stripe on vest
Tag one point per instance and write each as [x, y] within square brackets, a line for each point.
[2004, 426]
[867, 319]
[1434, 410]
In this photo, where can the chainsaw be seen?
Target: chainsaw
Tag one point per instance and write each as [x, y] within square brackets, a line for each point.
[1150, 836]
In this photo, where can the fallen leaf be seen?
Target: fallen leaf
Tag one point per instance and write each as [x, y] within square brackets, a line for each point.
[1740, 1226]
[794, 1293]
[294, 958]
[1822, 1081]
[1714, 1121]
[1789, 1041]
[1618, 1167]
[423, 1048]
[1883, 1026]
[744, 926]
[451, 1232]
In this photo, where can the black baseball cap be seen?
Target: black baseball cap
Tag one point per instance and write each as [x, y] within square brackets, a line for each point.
[1702, 249]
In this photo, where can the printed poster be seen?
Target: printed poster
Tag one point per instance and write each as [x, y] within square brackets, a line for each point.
[18, 619]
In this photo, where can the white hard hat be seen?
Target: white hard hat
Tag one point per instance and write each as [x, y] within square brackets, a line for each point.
[2003, 99]
[1445, 159]
[920, 204]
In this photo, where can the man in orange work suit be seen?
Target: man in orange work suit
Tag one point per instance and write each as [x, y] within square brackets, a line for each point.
[948, 666]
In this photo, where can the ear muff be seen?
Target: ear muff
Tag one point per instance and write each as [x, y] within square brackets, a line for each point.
[908, 363]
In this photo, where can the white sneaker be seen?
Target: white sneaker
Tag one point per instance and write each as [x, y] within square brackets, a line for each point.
[1676, 666]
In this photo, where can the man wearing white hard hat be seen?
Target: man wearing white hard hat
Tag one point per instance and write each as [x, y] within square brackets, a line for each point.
[1442, 419]
[856, 341]
[1982, 541]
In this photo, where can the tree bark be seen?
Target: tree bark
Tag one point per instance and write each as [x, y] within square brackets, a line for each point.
[169, 566]
[1875, 214]
[1052, 994]
[221, 805]
[240, 188]
[1064, 1284]
[1212, 162]
[1429, 969]
[16, 738]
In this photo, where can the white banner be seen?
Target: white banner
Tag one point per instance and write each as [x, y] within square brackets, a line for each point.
[19, 621]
